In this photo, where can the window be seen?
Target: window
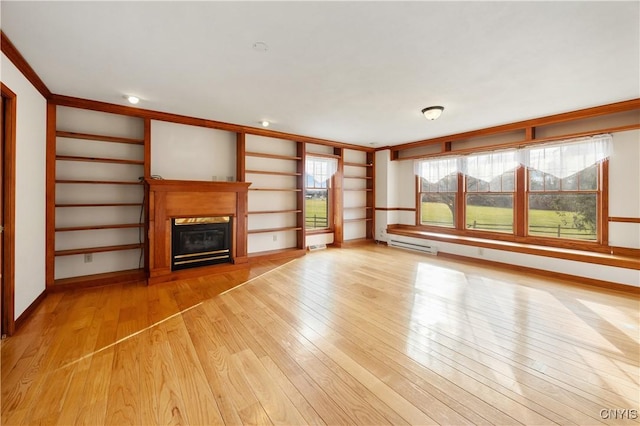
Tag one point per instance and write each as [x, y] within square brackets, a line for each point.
[438, 189]
[490, 184]
[563, 189]
[551, 192]
[318, 192]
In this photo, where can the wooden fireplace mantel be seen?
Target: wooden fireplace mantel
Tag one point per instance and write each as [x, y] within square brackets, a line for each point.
[168, 199]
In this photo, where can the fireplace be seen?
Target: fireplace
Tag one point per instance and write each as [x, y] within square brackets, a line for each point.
[171, 199]
[200, 241]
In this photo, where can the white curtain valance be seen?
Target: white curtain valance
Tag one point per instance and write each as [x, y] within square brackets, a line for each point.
[490, 165]
[321, 169]
[568, 157]
[560, 159]
[435, 170]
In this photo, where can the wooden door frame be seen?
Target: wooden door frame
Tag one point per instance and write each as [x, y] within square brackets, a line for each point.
[9, 204]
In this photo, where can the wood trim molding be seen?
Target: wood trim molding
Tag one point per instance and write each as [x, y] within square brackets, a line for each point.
[70, 101]
[398, 209]
[30, 310]
[602, 204]
[98, 280]
[607, 259]
[147, 148]
[241, 161]
[613, 108]
[572, 279]
[624, 219]
[23, 66]
[50, 196]
[9, 207]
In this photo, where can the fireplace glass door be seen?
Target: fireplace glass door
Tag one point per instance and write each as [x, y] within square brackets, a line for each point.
[200, 242]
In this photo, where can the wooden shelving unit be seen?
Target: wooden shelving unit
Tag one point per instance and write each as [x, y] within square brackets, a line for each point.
[358, 189]
[275, 169]
[98, 160]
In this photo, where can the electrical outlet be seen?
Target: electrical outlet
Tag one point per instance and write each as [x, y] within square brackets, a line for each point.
[214, 178]
[88, 257]
[275, 238]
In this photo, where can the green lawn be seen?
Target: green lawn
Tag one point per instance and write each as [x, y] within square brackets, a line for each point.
[318, 208]
[542, 222]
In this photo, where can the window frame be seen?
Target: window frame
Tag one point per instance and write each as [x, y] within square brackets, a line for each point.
[520, 226]
[330, 200]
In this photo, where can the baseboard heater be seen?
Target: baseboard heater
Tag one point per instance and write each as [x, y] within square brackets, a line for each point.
[424, 248]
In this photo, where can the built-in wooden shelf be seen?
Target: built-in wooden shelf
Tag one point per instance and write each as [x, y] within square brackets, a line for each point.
[259, 231]
[264, 172]
[100, 205]
[313, 154]
[98, 160]
[273, 156]
[99, 182]
[275, 211]
[360, 219]
[276, 189]
[346, 163]
[357, 177]
[101, 138]
[358, 208]
[93, 227]
[98, 249]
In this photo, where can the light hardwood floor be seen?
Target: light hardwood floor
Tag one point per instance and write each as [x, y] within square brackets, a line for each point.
[370, 335]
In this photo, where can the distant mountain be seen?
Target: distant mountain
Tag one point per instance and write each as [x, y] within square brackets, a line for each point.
[310, 181]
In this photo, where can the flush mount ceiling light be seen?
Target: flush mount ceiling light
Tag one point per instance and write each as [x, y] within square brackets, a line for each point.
[265, 123]
[132, 99]
[432, 112]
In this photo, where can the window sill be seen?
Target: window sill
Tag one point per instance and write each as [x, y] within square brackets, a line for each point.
[628, 262]
[319, 231]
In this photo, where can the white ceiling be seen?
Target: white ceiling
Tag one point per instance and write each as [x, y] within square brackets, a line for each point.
[355, 72]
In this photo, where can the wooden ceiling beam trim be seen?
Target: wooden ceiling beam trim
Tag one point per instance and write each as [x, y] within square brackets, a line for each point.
[597, 111]
[23, 66]
[70, 101]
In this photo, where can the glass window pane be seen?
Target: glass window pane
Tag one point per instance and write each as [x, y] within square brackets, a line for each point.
[449, 183]
[571, 216]
[551, 183]
[317, 209]
[472, 184]
[438, 209]
[509, 181]
[483, 186]
[570, 183]
[588, 178]
[536, 180]
[496, 184]
[489, 212]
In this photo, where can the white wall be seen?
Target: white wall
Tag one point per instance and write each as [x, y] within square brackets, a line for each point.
[30, 187]
[624, 189]
[185, 152]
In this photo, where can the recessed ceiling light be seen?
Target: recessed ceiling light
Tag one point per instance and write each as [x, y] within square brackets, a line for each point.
[132, 99]
[260, 46]
[265, 123]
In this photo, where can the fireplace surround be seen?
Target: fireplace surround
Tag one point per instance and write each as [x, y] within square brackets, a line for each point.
[176, 199]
